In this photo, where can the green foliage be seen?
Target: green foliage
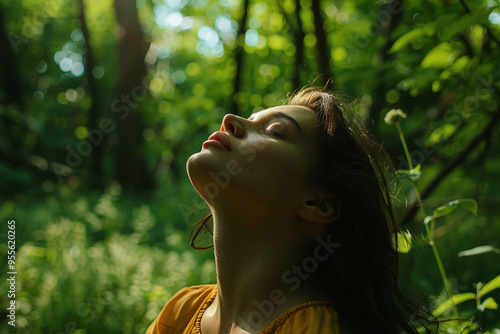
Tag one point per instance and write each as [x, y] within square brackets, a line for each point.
[448, 208]
[93, 258]
[490, 286]
[453, 301]
[413, 174]
[404, 242]
[479, 250]
[80, 271]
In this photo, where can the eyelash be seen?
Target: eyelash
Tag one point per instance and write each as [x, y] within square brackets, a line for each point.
[271, 133]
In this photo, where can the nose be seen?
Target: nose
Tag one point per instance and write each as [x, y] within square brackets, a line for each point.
[234, 125]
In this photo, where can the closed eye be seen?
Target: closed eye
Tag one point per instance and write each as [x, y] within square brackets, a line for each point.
[275, 130]
[271, 133]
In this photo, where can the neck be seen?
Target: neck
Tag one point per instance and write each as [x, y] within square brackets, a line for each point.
[258, 271]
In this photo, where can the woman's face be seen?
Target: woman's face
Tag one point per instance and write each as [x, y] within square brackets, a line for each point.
[260, 163]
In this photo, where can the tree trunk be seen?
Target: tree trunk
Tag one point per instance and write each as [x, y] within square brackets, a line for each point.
[299, 47]
[94, 111]
[295, 24]
[9, 76]
[130, 164]
[388, 18]
[239, 52]
[11, 146]
[324, 58]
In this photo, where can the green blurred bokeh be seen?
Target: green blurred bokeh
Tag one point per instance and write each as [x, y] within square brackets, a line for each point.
[101, 245]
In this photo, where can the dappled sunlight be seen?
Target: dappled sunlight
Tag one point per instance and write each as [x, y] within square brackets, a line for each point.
[102, 104]
[86, 281]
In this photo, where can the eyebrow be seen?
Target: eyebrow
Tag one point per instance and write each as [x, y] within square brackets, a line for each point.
[291, 119]
[285, 116]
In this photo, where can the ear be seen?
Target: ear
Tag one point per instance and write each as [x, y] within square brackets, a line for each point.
[320, 209]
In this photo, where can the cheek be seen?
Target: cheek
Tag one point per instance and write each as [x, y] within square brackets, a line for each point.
[262, 171]
[275, 168]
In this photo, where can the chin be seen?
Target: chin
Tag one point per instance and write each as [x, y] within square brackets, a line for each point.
[193, 168]
[198, 168]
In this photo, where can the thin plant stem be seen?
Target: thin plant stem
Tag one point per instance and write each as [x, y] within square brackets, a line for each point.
[430, 232]
[403, 140]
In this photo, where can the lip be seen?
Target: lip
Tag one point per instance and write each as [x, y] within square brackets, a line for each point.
[220, 138]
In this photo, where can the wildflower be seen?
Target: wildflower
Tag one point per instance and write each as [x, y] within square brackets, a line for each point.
[394, 116]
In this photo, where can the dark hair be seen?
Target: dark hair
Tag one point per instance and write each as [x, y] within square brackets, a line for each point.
[360, 277]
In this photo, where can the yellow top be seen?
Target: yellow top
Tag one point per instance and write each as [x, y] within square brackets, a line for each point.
[182, 315]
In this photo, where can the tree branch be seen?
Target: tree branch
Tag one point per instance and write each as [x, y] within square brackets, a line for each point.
[386, 26]
[485, 134]
[488, 31]
[298, 36]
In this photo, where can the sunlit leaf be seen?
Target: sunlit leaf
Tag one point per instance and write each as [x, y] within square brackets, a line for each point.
[488, 303]
[404, 242]
[440, 56]
[460, 25]
[407, 38]
[454, 300]
[490, 286]
[443, 210]
[479, 250]
[412, 174]
[428, 219]
[442, 133]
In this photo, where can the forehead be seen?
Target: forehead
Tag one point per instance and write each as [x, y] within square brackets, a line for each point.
[301, 114]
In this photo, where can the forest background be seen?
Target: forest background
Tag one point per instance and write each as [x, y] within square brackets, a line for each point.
[102, 102]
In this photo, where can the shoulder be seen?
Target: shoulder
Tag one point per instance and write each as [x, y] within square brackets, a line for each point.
[191, 297]
[308, 318]
[182, 307]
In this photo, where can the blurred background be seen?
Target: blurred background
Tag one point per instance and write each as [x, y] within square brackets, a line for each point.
[102, 102]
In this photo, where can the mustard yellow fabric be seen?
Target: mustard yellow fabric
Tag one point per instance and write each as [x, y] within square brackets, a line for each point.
[182, 315]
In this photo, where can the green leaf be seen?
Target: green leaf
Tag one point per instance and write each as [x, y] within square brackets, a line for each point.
[440, 56]
[488, 303]
[479, 250]
[428, 219]
[448, 208]
[461, 24]
[421, 33]
[443, 21]
[445, 210]
[490, 286]
[404, 242]
[412, 174]
[454, 300]
[404, 40]
[469, 204]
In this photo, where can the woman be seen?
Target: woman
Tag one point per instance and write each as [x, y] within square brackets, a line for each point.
[302, 227]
